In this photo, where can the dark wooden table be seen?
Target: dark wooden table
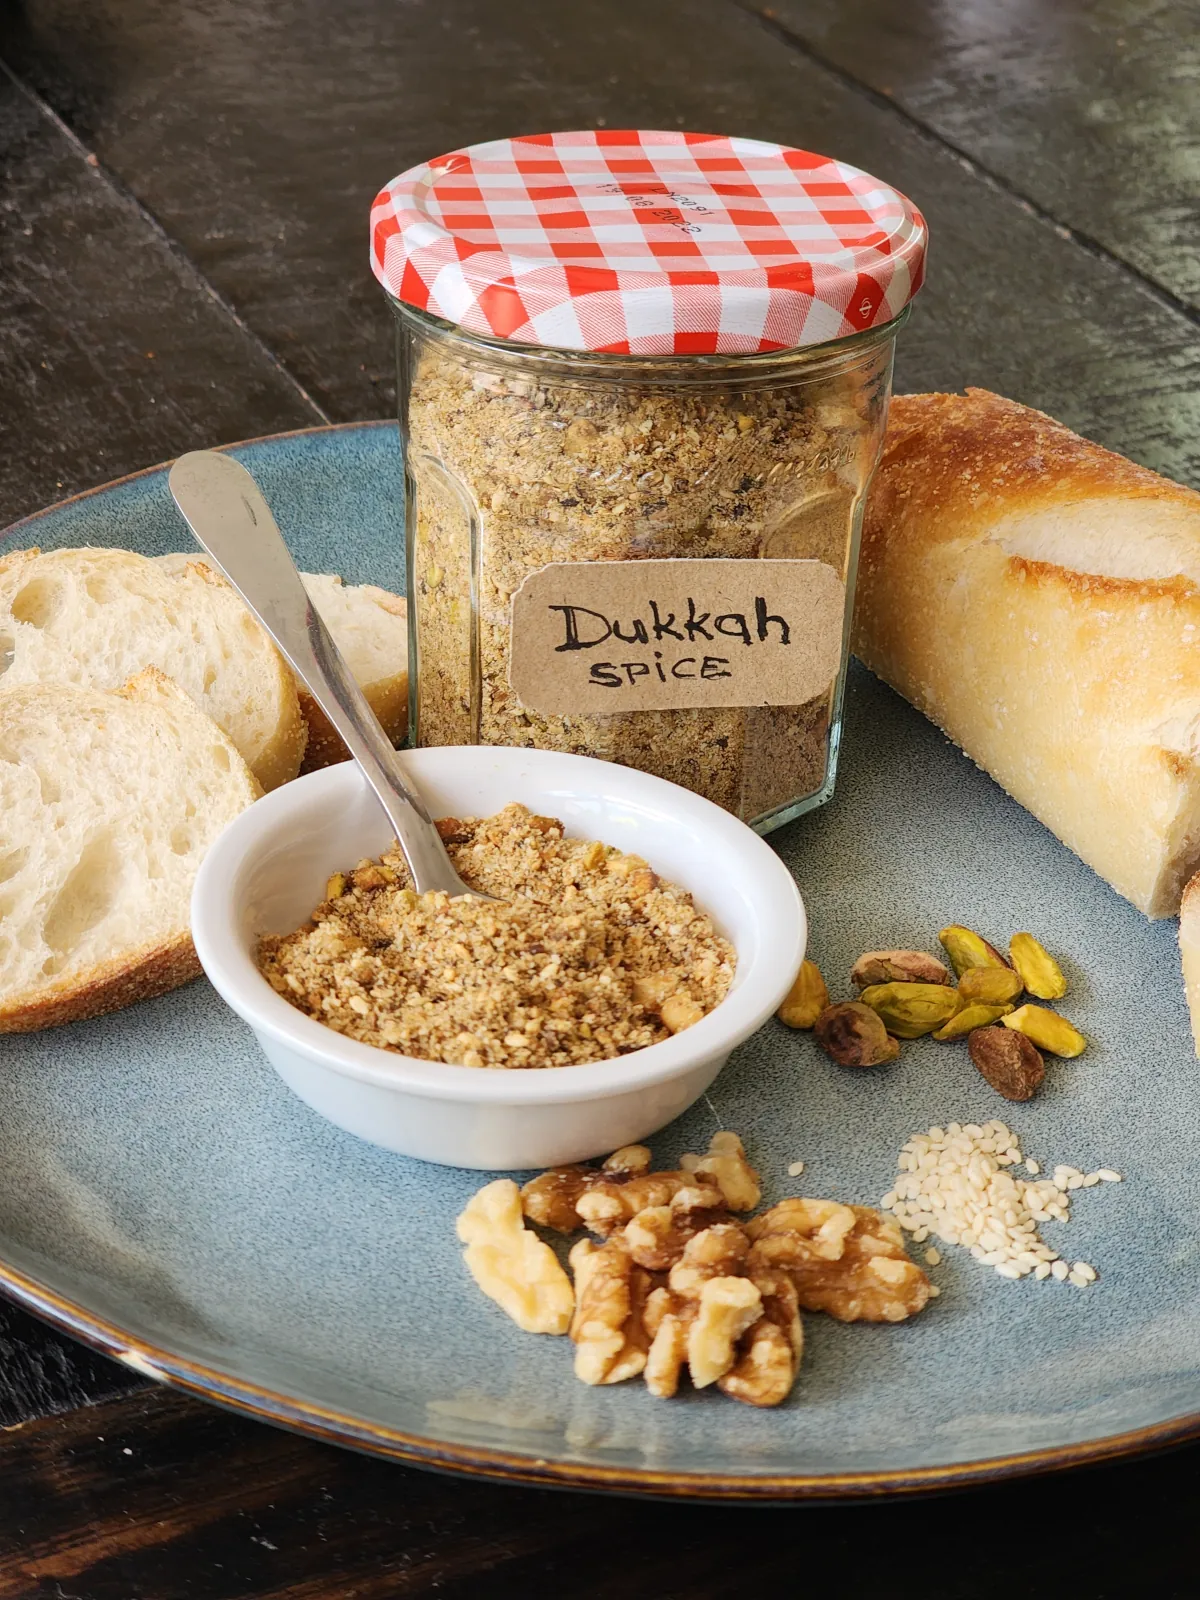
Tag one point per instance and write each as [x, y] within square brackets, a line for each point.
[183, 262]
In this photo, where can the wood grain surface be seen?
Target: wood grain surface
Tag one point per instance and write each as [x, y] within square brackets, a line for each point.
[1089, 110]
[158, 1498]
[183, 262]
[256, 134]
[114, 352]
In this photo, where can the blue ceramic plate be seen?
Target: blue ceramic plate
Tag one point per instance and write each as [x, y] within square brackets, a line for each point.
[165, 1198]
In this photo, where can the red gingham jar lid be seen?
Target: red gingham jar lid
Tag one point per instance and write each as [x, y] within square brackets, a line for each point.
[648, 243]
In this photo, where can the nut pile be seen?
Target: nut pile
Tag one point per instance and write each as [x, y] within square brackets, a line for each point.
[957, 1184]
[588, 955]
[906, 994]
[674, 1279]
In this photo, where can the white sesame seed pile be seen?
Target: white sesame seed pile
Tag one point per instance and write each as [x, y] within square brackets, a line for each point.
[954, 1183]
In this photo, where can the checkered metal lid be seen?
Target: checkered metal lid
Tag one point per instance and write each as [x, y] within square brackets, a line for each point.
[648, 243]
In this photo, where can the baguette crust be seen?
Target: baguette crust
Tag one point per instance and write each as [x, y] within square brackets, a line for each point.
[953, 463]
[1038, 598]
[388, 701]
[134, 975]
[387, 697]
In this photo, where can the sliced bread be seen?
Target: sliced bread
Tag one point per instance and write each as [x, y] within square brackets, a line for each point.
[94, 618]
[1039, 598]
[108, 803]
[370, 627]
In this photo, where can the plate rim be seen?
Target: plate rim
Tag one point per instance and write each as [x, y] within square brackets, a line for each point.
[478, 1461]
[164, 466]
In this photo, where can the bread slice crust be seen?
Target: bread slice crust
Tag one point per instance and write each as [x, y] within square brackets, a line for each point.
[141, 974]
[385, 687]
[184, 758]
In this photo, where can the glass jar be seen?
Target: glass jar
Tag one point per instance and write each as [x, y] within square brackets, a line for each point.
[643, 383]
[519, 456]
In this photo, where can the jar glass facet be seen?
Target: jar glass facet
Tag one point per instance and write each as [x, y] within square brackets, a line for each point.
[518, 456]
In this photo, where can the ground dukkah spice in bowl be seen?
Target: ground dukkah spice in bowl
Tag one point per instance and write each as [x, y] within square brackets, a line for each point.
[585, 955]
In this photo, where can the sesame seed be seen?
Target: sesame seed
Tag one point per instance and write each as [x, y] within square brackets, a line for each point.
[797, 1167]
[1077, 1278]
[1107, 1175]
[956, 1184]
[934, 1291]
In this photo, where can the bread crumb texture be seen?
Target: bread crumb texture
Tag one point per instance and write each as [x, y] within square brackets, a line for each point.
[585, 955]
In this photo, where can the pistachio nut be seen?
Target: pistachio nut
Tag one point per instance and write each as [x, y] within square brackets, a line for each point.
[968, 1019]
[989, 986]
[968, 949]
[1010, 1062]
[806, 999]
[897, 966]
[1040, 973]
[854, 1036]
[911, 1009]
[1047, 1029]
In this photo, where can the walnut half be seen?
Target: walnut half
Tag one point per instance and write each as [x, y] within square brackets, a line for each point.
[511, 1264]
[849, 1261]
[727, 1167]
[609, 1327]
[604, 1198]
[769, 1353]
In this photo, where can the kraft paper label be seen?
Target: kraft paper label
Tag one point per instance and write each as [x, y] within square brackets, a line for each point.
[608, 636]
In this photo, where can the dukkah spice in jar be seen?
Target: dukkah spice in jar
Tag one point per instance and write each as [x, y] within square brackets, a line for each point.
[643, 386]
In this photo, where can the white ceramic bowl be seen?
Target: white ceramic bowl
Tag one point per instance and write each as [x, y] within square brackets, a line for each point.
[268, 870]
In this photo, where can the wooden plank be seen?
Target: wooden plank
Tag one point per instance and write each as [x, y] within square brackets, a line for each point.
[284, 129]
[162, 1498]
[114, 355]
[43, 1372]
[1092, 111]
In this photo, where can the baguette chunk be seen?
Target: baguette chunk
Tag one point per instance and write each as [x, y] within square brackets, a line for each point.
[108, 803]
[94, 618]
[370, 627]
[1039, 599]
